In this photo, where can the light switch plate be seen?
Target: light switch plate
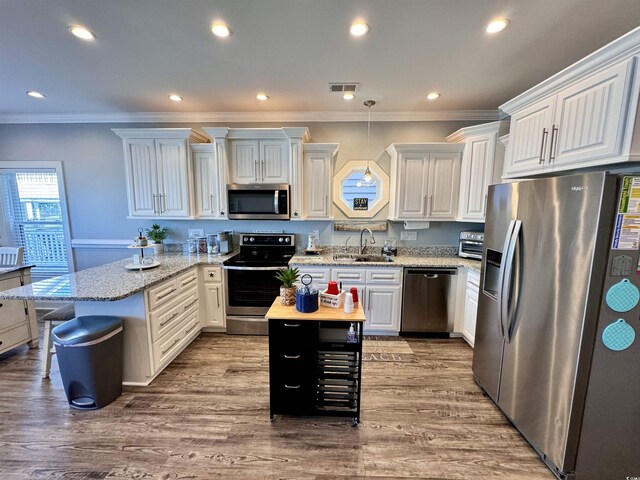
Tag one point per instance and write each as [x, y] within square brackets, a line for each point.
[196, 232]
[315, 233]
[408, 235]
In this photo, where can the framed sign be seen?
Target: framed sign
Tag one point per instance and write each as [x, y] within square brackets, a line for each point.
[361, 203]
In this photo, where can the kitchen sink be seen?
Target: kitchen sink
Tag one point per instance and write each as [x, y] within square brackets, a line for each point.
[354, 257]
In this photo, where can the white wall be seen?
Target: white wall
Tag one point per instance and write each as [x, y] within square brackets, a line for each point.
[92, 158]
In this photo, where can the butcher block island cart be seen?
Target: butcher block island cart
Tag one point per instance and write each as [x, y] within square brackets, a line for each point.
[315, 361]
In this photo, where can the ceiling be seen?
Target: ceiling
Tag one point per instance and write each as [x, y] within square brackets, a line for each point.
[290, 49]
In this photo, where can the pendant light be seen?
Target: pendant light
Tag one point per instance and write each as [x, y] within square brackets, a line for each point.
[368, 177]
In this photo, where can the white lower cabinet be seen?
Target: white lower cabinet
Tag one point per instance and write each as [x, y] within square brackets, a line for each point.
[471, 307]
[379, 294]
[213, 311]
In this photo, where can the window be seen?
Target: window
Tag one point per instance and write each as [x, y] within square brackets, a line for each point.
[34, 214]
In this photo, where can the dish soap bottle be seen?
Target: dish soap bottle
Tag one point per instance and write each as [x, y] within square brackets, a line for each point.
[351, 335]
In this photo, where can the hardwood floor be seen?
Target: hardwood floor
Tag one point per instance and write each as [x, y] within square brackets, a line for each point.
[207, 416]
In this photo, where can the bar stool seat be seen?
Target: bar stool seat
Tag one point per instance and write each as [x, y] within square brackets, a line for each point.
[51, 319]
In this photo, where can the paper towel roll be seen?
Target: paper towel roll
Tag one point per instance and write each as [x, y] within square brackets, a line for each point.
[415, 225]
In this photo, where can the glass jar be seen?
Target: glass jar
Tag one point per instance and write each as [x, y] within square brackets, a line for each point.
[190, 246]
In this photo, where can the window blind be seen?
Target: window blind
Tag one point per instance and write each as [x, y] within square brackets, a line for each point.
[33, 216]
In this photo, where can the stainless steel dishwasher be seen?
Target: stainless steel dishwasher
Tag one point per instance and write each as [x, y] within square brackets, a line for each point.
[424, 303]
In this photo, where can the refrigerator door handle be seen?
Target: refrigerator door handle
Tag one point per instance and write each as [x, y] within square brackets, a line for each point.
[507, 280]
[500, 296]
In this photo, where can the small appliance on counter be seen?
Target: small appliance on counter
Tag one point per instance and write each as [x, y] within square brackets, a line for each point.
[389, 248]
[312, 249]
[471, 244]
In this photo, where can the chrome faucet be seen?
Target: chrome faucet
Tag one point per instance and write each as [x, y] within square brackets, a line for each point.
[364, 245]
[346, 244]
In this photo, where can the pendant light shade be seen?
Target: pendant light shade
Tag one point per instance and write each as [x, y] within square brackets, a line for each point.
[367, 178]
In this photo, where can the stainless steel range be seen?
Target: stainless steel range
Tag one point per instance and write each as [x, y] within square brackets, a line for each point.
[251, 282]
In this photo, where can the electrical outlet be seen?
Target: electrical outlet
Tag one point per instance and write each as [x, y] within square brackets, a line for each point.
[196, 232]
[315, 233]
[408, 235]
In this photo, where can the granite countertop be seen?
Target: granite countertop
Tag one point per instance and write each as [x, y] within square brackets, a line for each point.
[451, 261]
[111, 281]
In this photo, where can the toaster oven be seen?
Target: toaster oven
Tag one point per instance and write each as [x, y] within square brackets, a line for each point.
[471, 245]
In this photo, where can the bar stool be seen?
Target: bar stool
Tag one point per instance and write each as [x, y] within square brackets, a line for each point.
[51, 319]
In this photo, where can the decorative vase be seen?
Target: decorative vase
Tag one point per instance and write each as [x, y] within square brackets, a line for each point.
[158, 248]
[288, 295]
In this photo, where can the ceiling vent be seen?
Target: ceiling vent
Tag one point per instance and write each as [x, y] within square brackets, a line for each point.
[350, 87]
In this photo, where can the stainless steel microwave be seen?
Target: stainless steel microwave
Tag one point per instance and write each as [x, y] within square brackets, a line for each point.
[258, 201]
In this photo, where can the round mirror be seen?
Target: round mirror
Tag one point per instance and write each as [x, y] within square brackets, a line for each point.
[356, 197]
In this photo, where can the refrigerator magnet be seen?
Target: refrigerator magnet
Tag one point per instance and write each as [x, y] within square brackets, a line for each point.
[623, 296]
[618, 335]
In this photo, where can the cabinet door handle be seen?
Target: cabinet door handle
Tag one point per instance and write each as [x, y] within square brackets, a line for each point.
[486, 200]
[162, 324]
[292, 356]
[369, 300]
[293, 387]
[217, 294]
[424, 205]
[262, 171]
[326, 203]
[255, 175]
[172, 345]
[211, 202]
[191, 329]
[164, 202]
[160, 297]
[553, 143]
[430, 204]
[545, 133]
[291, 324]
[155, 209]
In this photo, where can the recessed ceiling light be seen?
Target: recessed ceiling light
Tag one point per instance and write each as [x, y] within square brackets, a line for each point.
[34, 94]
[175, 98]
[262, 97]
[348, 96]
[81, 32]
[358, 28]
[433, 96]
[220, 30]
[497, 25]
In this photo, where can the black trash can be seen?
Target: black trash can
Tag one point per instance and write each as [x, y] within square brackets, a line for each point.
[89, 350]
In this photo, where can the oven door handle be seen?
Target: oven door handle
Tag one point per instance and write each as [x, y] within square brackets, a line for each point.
[230, 267]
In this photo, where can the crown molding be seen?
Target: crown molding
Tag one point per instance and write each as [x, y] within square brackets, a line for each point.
[461, 135]
[246, 117]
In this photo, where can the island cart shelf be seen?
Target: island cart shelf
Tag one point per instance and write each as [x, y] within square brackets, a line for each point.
[313, 370]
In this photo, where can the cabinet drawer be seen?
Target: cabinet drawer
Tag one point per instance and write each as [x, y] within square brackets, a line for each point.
[14, 336]
[292, 397]
[319, 275]
[161, 294]
[12, 313]
[163, 319]
[212, 274]
[348, 276]
[473, 278]
[187, 279]
[165, 349]
[9, 283]
[291, 334]
[384, 275]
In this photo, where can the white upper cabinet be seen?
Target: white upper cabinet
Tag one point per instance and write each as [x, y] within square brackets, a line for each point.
[158, 171]
[259, 161]
[585, 116]
[210, 182]
[481, 167]
[425, 180]
[318, 161]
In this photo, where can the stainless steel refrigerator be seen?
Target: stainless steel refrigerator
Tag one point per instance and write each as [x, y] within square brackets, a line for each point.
[557, 343]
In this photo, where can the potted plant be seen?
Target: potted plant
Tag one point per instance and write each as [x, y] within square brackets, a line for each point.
[288, 277]
[157, 234]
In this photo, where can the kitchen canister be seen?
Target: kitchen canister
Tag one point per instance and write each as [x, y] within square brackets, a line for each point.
[306, 296]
